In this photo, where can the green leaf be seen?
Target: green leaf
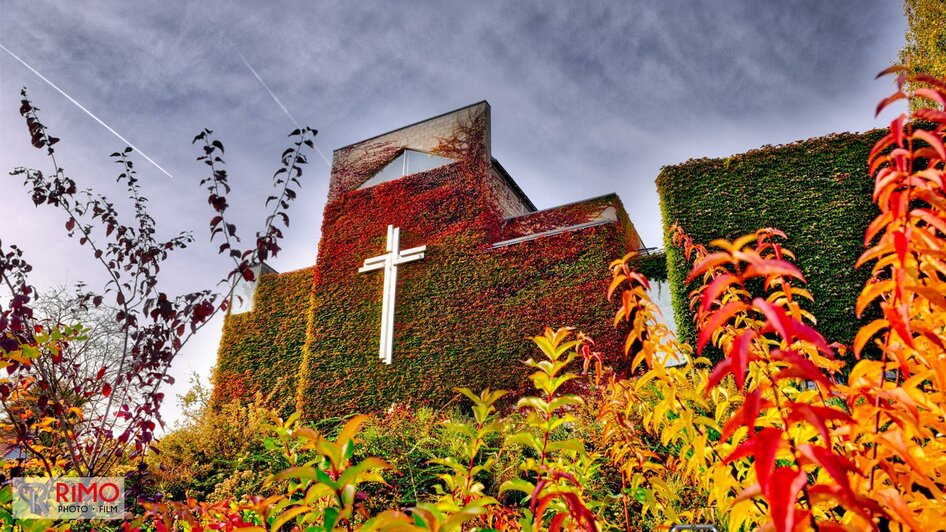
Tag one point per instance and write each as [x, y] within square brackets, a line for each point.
[288, 515]
[571, 444]
[535, 403]
[517, 484]
[331, 518]
[299, 472]
[565, 400]
[525, 438]
[351, 474]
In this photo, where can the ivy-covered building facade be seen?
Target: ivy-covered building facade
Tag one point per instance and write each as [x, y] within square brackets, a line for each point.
[494, 272]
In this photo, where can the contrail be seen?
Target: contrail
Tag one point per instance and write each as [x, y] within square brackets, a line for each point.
[273, 95]
[79, 105]
[265, 86]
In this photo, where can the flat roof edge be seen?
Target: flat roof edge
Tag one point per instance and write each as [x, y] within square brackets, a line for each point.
[551, 232]
[441, 115]
[595, 198]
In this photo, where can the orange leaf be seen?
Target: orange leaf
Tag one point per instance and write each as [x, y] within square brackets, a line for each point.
[769, 267]
[866, 333]
[891, 498]
[885, 142]
[708, 262]
[891, 70]
[871, 292]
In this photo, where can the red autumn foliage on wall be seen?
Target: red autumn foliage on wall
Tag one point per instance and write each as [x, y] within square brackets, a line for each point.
[459, 311]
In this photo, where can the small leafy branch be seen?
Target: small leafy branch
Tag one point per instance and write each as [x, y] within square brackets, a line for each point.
[557, 462]
[110, 413]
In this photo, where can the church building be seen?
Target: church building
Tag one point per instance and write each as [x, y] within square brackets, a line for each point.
[433, 271]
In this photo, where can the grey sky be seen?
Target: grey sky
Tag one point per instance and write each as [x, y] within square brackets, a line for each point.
[586, 100]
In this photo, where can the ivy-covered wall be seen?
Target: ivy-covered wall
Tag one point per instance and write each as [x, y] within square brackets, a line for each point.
[260, 351]
[817, 191]
[464, 314]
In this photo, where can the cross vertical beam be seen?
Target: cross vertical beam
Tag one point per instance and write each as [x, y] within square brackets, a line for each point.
[389, 263]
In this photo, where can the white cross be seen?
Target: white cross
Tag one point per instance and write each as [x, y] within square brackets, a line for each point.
[389, 263]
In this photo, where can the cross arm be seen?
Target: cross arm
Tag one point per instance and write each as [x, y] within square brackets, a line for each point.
[410, 255]
[374, 263]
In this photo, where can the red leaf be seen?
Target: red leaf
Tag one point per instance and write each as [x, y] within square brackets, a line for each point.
[789, 328]
[799, 368]
[785, 485]
[896, 129]
[746, 415]
[889, 100]
[775, 316]
[100, 374]
[902, 244]
[721, 369]
[805, 333]
[106, 389]
[717, 287]
[816, 416]
[930, 94]
[767, 443]
[900, 322]
[935, 142]
[836, 465]
[557, 522]
[716, 321]
[763, 446]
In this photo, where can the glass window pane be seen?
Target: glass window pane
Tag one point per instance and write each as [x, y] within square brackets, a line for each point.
[391, 171]
[421, 162]
[407, 163]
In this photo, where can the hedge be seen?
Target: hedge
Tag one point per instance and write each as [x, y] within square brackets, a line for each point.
[817, 191]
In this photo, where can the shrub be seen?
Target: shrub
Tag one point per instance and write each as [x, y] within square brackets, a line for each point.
[217, 454]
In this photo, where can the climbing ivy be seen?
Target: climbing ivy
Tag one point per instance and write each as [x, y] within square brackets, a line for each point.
[817, 191]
